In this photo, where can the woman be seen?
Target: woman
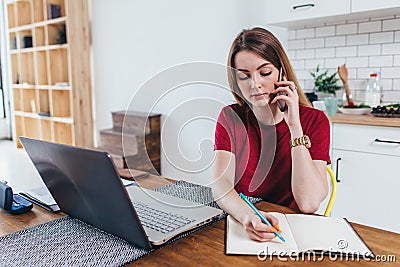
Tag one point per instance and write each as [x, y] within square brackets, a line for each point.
[260, 150]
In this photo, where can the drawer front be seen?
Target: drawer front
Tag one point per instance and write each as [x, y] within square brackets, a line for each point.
[371, 139]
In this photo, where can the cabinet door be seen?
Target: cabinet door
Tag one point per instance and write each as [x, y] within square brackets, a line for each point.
[369, 5]
[369, 189]
[293, 10]
[365, 138]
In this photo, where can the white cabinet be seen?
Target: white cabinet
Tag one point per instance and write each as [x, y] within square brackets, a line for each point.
[293, 10]
[370, 5]
[297, 13]
[368, 170]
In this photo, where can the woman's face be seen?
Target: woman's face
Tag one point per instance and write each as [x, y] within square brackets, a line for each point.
[255, 77]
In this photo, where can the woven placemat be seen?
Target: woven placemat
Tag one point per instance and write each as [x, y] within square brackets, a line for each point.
[65, 242]
[70, 242]
[194, 192]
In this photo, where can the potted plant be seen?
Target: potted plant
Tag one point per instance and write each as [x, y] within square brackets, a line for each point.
[324, 82]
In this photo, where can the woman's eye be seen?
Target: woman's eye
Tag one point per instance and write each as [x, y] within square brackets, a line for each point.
[266, 73]
[242, 76]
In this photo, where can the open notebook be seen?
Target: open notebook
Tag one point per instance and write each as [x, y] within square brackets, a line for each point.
[302, 233]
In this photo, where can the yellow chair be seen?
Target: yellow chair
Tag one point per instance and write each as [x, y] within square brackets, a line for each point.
[333, 191]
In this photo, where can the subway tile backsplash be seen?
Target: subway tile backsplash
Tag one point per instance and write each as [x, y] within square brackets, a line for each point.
[365, 46]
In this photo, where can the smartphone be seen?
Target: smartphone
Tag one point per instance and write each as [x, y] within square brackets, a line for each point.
[281, 103]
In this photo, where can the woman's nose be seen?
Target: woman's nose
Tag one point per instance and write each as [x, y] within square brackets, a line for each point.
[255, 82]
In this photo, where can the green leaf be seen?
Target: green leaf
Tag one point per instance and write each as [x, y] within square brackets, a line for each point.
[324, 82]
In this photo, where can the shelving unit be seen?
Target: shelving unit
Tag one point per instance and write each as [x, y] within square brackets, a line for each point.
[50, 66]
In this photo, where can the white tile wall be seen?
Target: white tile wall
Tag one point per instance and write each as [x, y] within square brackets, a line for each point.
[381, 37]
[396, 60]
[346, 29]
[365, 46]
[391, 25]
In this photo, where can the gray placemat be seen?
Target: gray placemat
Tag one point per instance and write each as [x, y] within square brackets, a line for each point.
[70, 242]
[65, 242]
[194, 192]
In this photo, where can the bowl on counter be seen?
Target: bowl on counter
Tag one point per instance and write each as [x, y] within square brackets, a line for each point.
[354, 111]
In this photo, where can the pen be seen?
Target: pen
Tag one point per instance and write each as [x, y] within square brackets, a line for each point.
[260, 215]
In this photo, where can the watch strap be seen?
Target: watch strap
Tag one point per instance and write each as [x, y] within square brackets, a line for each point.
[301, 141]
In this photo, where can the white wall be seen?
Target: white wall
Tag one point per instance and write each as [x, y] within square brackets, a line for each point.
[135, 40]
[365, 46]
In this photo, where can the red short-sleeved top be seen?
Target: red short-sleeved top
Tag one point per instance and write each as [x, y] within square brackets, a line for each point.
[262, 153]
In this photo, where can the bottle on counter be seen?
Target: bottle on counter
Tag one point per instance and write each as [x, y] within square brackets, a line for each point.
[373, 92]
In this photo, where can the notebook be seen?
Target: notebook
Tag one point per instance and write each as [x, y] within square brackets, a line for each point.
[86, 185]
[302, 233]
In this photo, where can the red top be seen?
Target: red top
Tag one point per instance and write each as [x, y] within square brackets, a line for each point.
[266, 172]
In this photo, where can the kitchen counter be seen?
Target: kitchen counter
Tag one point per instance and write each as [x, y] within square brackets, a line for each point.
[365, 120]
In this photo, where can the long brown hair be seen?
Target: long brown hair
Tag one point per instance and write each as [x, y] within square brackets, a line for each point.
[266, 45]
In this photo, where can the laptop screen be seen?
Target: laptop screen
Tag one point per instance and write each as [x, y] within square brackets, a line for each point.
[86, 186]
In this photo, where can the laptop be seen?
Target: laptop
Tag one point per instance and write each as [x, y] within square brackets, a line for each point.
[86, 186]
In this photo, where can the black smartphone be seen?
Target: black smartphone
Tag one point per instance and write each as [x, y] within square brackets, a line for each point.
[281, 103]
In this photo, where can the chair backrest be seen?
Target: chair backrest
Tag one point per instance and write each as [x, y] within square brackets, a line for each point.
[333, 191]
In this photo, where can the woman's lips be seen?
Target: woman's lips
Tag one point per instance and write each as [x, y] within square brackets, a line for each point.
[259, 95]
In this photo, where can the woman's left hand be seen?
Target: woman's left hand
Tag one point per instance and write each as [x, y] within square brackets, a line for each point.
[291, 98]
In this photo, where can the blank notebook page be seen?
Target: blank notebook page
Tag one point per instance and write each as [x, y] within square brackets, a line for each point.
[325, 233]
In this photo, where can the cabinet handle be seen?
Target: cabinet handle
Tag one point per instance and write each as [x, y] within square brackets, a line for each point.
[386, 141]
[337, 170]
[303, 6]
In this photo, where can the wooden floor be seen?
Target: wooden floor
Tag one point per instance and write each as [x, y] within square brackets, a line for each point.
[15, 164]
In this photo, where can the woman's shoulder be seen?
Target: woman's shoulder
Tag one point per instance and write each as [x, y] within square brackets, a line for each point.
[235, 114]
[312, 114]
[235, 108]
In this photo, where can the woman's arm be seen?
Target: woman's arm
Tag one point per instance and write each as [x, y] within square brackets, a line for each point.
[229, 200]
[309, 183]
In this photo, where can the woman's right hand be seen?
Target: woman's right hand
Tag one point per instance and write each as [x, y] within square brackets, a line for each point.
[259, 231]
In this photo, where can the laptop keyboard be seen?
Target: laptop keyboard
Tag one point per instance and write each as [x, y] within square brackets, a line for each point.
[161, 221]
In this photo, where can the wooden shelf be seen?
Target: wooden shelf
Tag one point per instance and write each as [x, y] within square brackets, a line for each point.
[40, 48]
[37, 116]
[50, 66]
[42, 87]
[61, 20]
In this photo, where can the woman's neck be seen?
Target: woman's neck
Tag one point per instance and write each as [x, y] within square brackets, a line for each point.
[269, 115]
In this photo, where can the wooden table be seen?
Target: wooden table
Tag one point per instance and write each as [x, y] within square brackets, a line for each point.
[206, 246]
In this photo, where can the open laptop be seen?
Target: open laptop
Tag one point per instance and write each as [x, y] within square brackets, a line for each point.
[86, 186]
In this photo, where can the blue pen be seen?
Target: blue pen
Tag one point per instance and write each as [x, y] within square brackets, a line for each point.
[260, 215]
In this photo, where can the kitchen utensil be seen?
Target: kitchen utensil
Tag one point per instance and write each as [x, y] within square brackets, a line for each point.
[343, 74]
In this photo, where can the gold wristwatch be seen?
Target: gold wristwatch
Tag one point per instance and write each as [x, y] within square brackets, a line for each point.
[301, 141]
